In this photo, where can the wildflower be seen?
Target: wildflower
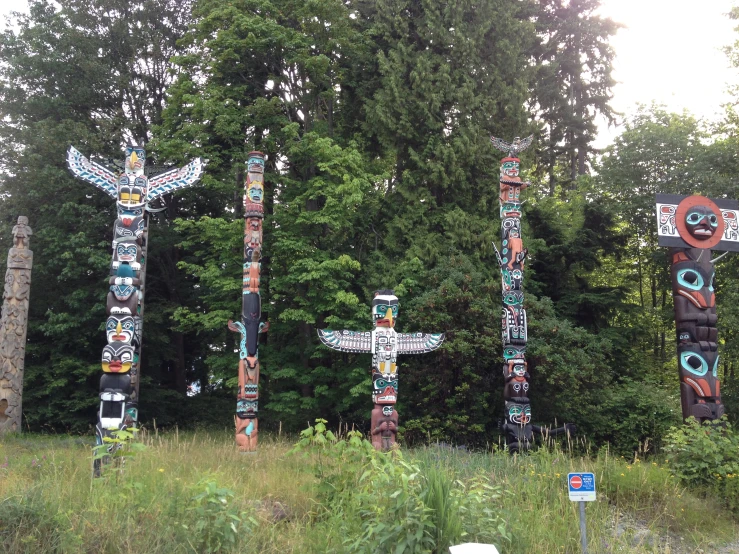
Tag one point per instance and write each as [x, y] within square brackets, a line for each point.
[161, 470]
[557, 474]
[622, 475]
[628, 467]
[654, 463]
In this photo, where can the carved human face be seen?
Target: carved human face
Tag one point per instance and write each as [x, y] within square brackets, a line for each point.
[127, 252]
[387, 411]
[701, 222]
[385, 310]
[117, 357]
[255, 162]
[509, 168]
[120, 328]
[255, 188]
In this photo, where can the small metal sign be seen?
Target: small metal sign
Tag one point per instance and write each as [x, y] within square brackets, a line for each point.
[581, 486]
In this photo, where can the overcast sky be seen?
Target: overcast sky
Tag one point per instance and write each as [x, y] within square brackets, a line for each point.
[670, 52]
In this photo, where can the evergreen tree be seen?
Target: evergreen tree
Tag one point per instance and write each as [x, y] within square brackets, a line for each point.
[85, 73]
[574, 63]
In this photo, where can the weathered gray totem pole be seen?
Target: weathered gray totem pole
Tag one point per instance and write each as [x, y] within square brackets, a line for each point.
[517, 427]
[691, 226]
[133, 191]
[385, 344]
[250, 326]
[13, 325]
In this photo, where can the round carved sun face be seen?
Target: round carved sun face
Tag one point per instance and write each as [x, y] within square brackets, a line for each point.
[701, 222]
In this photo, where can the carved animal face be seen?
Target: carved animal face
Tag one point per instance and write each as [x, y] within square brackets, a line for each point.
[509, 168]
[135, 159]
[517, 413]
[384, 391]
[385, 310]
[120, 328]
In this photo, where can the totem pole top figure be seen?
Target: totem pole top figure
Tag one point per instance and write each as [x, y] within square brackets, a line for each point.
[511, 184]
[133, 189]
[697, 222]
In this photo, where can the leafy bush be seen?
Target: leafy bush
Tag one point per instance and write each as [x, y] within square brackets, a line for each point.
[383, 503]
[707, 455]
[217, 526]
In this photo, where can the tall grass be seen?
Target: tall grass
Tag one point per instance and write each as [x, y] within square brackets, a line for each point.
[50, 503]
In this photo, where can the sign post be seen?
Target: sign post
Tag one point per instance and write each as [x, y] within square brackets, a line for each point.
[582, 489]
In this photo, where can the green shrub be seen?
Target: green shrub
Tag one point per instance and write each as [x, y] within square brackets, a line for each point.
[707, 455]
[216, 525]
[382, 503]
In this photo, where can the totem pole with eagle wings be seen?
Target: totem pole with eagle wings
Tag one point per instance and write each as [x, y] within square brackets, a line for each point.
[133, 189]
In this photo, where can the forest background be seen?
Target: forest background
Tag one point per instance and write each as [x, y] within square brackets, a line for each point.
[375, 116]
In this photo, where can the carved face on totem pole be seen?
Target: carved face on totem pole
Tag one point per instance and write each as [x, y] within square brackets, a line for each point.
[117, 357]
[135, 159]
[247, 409]
[121, 328]
[509, 169]
[385, 308]
[384, 390]
[518, 413]
[127, 252]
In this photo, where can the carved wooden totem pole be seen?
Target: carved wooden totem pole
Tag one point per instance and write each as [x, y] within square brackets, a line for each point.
[691, 226]
[250, 326]
[517, 426]
[133, 190]
[13, 325]
[385, 344]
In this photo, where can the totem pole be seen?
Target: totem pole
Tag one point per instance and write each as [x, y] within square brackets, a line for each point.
[691, 226]
[517, 426]
[250, 326]
[385, 344]
[13, 325]
[133, 190]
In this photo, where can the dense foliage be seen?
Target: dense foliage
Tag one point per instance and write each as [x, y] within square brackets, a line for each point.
[375, 118]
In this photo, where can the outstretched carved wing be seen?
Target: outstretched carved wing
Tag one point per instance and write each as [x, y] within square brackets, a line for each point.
[524, 144]
[347, 341]
[419, 343]
[94, 173]
[513, 148]
[500, 144]
[175, 179]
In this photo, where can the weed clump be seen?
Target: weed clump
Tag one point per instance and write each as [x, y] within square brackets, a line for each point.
[380, 502]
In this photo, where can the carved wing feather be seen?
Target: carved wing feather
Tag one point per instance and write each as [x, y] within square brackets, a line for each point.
[91, 172]
[525, 143]
[500, 144]
[175, 179]
[347, 341]
[419, 343]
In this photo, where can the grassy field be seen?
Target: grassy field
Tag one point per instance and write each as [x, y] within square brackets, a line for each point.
[183, 486]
